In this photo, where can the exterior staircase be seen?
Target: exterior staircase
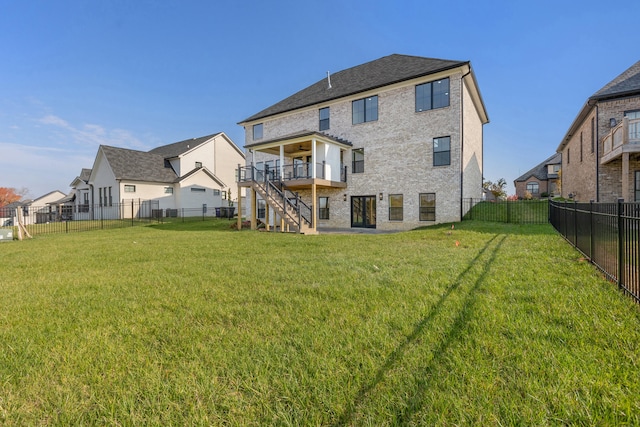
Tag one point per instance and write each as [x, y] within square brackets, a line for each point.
[297, 215]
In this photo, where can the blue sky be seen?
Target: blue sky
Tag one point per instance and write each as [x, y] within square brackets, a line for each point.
[139, 74]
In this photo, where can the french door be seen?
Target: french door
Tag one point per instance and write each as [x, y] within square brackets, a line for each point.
[363, 211]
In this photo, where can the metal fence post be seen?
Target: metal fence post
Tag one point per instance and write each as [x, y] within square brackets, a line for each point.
[620, 243]
[575, 223]
[591, 240]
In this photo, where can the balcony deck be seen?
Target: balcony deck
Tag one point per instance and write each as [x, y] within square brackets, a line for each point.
[623, 138]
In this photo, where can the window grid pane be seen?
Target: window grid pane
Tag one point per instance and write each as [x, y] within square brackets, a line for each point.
[442, 151]
[427, 206]
[441, 93]
[395, 207]
[324, 118]
[432, 95]
[358, 161]
[358, 111]
[257, 131]
[323, 206]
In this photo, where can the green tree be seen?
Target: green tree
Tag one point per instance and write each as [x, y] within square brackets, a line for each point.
[496, 188]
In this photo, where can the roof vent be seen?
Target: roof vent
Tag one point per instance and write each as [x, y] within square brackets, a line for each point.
[328, 80]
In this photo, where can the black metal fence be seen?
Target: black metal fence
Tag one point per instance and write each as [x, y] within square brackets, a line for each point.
[509, 211]
[40, 220]
[606, 233]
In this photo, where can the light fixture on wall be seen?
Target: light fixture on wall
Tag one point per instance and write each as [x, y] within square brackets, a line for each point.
[344, 198]
[380, 196]
[612, 122]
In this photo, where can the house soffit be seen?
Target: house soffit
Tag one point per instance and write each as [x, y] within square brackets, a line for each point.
[296, 143]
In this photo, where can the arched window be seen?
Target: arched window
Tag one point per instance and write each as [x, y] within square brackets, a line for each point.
[533, 187]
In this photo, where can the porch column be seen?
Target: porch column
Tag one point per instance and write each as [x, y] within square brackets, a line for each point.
[281, 162]
[254, 222]
[314, 204]
[266, 216]
[625, 177]
[313, 164]
[239, 224]
[282, 224]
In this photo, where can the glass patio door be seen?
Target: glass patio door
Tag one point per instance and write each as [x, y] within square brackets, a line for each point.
[363, 211]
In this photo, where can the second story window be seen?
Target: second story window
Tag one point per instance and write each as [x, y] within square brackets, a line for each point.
[129, 188]
[432, 95]
[442, 151]
[357, 165]
[324, 118]
[198, 164]
[365, 110]
[257, 131]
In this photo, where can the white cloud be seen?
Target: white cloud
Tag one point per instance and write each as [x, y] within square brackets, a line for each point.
[93, 134]
[40, 169]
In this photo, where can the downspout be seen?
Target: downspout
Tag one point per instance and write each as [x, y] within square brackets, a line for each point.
[597, 142]
[92, 204]
[462, 142]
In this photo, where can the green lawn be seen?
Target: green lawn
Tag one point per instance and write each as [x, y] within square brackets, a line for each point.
[195, 324]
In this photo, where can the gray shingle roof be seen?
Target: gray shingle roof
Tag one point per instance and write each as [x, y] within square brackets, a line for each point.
[177, 148]
[625, 84]
[85, 174]
[137, 165]
[540, 170]
[371, 75]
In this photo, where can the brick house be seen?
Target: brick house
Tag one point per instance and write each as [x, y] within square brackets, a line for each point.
[601, 150]
[541, 180]
[394, 143]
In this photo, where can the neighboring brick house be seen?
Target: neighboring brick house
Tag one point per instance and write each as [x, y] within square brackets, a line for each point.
[601, 150]
[542, 180]
[394, 143]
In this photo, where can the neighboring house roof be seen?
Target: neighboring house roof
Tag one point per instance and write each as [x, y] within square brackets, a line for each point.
[136, 165]
[626, 84]
[540, 170]
[206, 171]
[84, 176]
[371, 75]
[153, 166]
[178, 148]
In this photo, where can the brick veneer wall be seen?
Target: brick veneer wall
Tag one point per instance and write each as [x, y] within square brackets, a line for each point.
[610, 175]
[579, 175]
[521, 187]
[398, 151]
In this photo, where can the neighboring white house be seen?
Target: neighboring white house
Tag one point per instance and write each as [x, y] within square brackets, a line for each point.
[395, 143]
[37, 211]
[193, 176]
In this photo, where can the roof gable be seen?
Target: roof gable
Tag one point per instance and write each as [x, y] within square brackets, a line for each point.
[371, 75]
[178, 148]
